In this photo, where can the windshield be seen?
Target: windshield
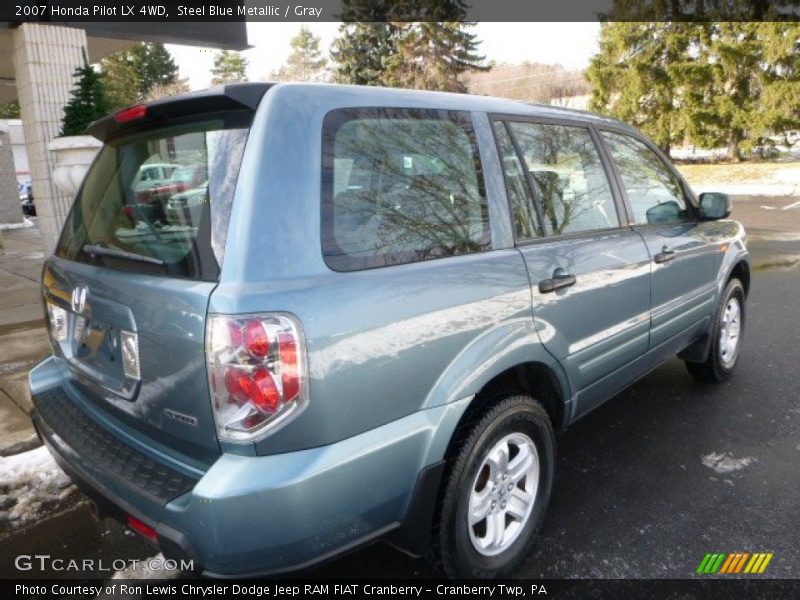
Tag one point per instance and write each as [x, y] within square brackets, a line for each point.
[119, 223]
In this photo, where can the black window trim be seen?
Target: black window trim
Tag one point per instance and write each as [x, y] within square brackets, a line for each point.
[337, 117]
[619, 204]
[688, 196]
[536, 206]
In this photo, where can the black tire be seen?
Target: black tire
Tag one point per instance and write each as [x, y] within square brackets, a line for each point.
[452, 548]
[715, 369]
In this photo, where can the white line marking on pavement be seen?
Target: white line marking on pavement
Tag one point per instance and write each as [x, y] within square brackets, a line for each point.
[792, 205]
[767, 207]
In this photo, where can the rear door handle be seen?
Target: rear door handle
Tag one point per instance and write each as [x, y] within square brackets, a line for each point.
[664, 256]
[561, 279]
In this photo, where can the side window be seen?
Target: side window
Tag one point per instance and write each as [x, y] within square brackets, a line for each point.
[400, 186]
[568, 177]
[526, 223]
[653, 191]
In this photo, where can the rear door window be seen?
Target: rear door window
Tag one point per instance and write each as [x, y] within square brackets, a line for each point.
[568, 177]
[158, 201]
[400, 186]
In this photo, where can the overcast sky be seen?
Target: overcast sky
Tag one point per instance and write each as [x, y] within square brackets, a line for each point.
[570, 44]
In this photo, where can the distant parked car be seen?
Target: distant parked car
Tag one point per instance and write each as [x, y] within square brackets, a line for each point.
[26, 199]
[149, 202]
[185, 208]
[153, 175]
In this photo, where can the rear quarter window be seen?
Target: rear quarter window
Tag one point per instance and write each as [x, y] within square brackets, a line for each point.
[400, 186]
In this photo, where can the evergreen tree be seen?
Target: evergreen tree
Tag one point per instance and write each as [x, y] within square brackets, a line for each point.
[229, 67]
[133, 72]
[714, 84]
[379, 45]
[734, 53]
[780, 101]
[305, 63]
[434, 55]
[122, 80]
[154, 65]
[88, 101]
[365, 44]
[634, 75]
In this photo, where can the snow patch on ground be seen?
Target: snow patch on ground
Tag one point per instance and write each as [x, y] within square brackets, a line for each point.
[31, 485]
[141, 570]
[26, 222]
[725, 462]
[748, 189]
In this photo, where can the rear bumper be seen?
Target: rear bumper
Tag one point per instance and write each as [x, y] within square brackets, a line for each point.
[261, 515]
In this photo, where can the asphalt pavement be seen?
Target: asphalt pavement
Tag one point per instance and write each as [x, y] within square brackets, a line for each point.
[647, 484]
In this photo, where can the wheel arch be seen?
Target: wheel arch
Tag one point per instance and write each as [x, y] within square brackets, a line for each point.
[734, 266]
[741, 271]
[544, 381]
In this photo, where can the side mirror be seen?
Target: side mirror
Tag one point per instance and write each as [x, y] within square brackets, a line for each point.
[714, 206]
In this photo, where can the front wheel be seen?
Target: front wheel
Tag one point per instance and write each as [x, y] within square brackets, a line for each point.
[726, 338]
[496, 490]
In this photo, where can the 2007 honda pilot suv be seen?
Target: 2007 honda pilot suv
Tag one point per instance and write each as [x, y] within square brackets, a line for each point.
[368, 319]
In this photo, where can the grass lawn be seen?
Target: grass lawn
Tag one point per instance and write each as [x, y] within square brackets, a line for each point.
[746, 172]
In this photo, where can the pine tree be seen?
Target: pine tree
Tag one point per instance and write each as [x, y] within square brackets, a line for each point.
[716, 83]
[733, 50]
[305, 63]
[154, 65]
[434, 55]
[122, 80]
[780, 101]
[379, 45]
[229, 67]
[88, 101]
[365, 44]
[634, 75]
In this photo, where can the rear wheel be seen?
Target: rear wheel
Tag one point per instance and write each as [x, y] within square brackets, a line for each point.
[496, 490]
[726, 337]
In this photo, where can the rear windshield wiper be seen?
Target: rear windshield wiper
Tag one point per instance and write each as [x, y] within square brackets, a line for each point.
[95, 250]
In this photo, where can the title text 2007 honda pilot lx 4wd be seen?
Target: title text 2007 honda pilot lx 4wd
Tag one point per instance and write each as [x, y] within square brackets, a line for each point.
[369, 320]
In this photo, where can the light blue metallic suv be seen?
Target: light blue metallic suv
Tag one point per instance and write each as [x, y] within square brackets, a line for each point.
[365, 317]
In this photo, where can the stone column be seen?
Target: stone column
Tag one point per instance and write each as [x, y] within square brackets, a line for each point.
[10, 209]
[45, 57]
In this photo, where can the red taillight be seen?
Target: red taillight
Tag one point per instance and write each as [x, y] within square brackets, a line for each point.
[140, 527]
[256, 369]
[256, 386]
[263, 391]
[290, 377]
[235, 332]
[255, 339]
[130, 114]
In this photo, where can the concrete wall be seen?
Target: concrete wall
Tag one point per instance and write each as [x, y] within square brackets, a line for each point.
[45, 58]
[18, 147]
[10, 209]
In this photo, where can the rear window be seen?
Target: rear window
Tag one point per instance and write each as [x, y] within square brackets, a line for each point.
[159, 201]
[400, 186]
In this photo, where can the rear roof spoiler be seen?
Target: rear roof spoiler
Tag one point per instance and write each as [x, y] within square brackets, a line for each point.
[233, 96]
